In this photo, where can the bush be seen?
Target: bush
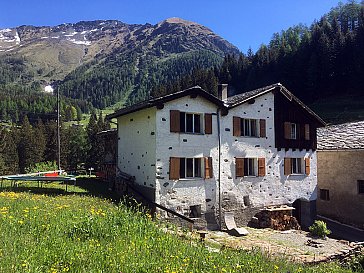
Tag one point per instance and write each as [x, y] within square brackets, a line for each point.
[319, 229]
[42, 167]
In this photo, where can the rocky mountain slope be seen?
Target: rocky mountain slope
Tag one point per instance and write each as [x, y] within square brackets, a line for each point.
[48, 54]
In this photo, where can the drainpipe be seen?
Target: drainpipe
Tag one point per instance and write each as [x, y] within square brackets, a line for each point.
[219, 169]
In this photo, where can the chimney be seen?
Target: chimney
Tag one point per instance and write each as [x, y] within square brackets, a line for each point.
[222, 91]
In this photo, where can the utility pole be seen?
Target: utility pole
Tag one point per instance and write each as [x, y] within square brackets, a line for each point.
[58, 131]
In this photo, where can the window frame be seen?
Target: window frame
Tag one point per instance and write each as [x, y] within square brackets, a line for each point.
[325, 194]
[250, 167]
[185, 123]
[249, 127]
[297, 167]
[293, 130]
[360, 187]
[184, 168]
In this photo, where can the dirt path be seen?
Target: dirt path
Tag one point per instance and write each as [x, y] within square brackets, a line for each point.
[295, 245]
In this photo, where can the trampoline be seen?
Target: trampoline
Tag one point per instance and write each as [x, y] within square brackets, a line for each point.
[39, 179]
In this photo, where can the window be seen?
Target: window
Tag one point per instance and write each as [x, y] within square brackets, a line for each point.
[296, 166]
[249, 127]
[189, 122]
[182, 167]
[293, 134]
[324, 194]
[190, 167]
[293, 131]
[249, 167]
[361, 186]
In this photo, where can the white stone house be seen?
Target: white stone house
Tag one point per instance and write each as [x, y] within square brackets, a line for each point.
[193, 150]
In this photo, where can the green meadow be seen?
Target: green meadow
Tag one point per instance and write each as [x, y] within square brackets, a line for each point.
[50, 230]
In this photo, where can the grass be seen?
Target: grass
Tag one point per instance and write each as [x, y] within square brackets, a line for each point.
[48, 230]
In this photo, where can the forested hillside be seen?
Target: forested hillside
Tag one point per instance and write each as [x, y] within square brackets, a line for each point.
[322, 64]
[30, 148]
[131, 77]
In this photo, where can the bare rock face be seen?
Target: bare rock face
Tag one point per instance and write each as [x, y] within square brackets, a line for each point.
[61, 49]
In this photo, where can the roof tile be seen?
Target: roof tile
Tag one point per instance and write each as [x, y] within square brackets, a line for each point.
[341, 136]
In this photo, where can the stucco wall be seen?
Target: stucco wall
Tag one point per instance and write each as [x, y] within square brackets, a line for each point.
[274, 188]
[338, 171]
[137, 146]
[242, 195]
[183, 193]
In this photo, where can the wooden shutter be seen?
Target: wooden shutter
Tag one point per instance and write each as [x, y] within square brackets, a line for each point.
[307, 166]
[208, 123]
[307, 131]
[174, 167]
[287, 166]
[261, 166]
[239, 167]
[236, 126]
[208, 167]
[174, 121]
[262, 128]
[287, 130]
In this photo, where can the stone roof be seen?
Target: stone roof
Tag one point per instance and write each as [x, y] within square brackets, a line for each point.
[193, 92]
[226, 104]
[237, 99]
[347, 136]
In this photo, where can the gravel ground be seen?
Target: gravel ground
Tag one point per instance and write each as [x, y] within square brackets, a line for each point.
[292, 244]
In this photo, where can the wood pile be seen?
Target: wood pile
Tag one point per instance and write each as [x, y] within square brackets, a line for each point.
[278, 218]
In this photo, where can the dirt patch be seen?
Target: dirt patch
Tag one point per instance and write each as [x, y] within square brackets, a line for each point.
[295, 245]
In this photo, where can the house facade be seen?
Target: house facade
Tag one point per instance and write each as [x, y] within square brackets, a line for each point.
[193, 152]
[341, 173]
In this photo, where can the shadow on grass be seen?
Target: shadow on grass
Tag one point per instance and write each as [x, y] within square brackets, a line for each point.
[84, 186]
[95, 187]
[36, 190]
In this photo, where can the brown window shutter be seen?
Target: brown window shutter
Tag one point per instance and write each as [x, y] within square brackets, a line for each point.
[236, 126]
[174, 167]
[287, 130]
[261, 166]
[174, 121]
[239, 167]
[307, 166]
[262, 128]
[208, 167]
[307, 131]
[208, 123]
[287, 166]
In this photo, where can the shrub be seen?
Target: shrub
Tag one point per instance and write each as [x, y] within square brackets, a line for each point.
[42, 167]
[319, 229]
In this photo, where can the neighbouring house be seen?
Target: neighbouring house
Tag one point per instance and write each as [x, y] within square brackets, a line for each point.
[341, 172]
[202, 155]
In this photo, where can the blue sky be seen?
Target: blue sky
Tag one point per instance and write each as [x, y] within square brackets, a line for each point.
[243, 23]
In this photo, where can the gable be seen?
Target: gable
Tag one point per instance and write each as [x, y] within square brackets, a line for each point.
[277, 89]
[192, 92]
[295, 126]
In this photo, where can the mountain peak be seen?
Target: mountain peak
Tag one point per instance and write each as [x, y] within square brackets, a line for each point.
[176, 20]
